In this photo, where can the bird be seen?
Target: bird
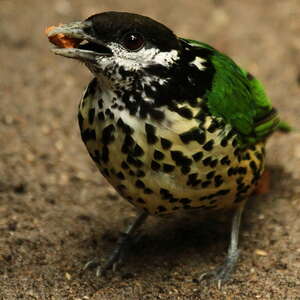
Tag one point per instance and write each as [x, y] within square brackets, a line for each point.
[174, 125]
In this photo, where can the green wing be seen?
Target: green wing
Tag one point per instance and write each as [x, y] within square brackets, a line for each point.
[239, 98]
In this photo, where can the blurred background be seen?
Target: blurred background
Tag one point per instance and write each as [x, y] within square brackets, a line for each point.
[57, 212]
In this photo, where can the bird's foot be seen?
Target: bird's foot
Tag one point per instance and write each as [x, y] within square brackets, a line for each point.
[124, 243]
[223, 273]
[116, 258]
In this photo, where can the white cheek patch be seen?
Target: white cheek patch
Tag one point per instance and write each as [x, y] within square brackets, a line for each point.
[133, 61]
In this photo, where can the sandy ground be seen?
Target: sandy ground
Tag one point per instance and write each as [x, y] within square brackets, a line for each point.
[56, 211]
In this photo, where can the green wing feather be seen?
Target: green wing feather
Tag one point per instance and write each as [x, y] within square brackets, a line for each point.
[240, 99]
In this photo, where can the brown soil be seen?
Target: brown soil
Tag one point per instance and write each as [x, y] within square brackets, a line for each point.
[56, 211]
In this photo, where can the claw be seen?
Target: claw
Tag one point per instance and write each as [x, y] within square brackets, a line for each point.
[219, 284]
[123, 244]
[220, 276]
[99, 272]
[93, 263]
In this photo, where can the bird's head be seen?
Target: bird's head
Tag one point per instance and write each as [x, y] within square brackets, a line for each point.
[115, 45]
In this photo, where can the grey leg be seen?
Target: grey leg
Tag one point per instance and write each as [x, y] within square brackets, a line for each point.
[123, 244]
[223, 273]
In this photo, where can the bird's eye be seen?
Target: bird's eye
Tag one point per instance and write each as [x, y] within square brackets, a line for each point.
[133, 41]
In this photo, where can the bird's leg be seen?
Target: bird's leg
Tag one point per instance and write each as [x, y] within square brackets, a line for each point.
[223, 273]
[123, 244]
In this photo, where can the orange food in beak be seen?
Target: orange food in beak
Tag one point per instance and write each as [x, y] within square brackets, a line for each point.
[61, 40]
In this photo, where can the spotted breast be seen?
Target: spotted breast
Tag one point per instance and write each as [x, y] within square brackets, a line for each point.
[177, 164]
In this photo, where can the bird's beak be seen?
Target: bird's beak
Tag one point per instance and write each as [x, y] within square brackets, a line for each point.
[76, 40]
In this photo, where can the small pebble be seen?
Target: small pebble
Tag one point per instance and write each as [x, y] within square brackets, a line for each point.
[261, 252]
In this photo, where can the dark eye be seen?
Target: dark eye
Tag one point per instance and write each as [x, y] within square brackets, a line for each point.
[133, 41]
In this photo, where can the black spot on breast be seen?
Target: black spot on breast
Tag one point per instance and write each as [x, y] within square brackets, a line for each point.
[236, 152]
[231, 171]
[127, 144]
[214, 163]
[246, 156]
[209, 145]
[234, 143]
[158, 155]
[91, 115]
[150, 134]
[224, 142]
[185, 170]
[230, 134]
[91, 89]
[105, 154]
[198, 156]
[185, 112]
[195, 134]
[80, 120]
[140, 184]
[213, 126]
[201, 116]
[223, 192]
[193, 179]
[124, 165]
[100, 104]
[210, 174]
[120, 175]
[165, 193]
[156, 115]
[137, 151]
[185, 201]
[253, 166]
[134, 161]
[101, 116]
[206, 183]
[206, 162]
[108, 134]
[218, 180]
[141, 200]
[109, 113]
[125, 128]
[180, 159]
[242, 188]
[96, 157]
[88, 134]
[155, 166]
[166, 144]
[148, 191]
[242, 170]
[168, 168]
[225, 161]
[106, 172]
